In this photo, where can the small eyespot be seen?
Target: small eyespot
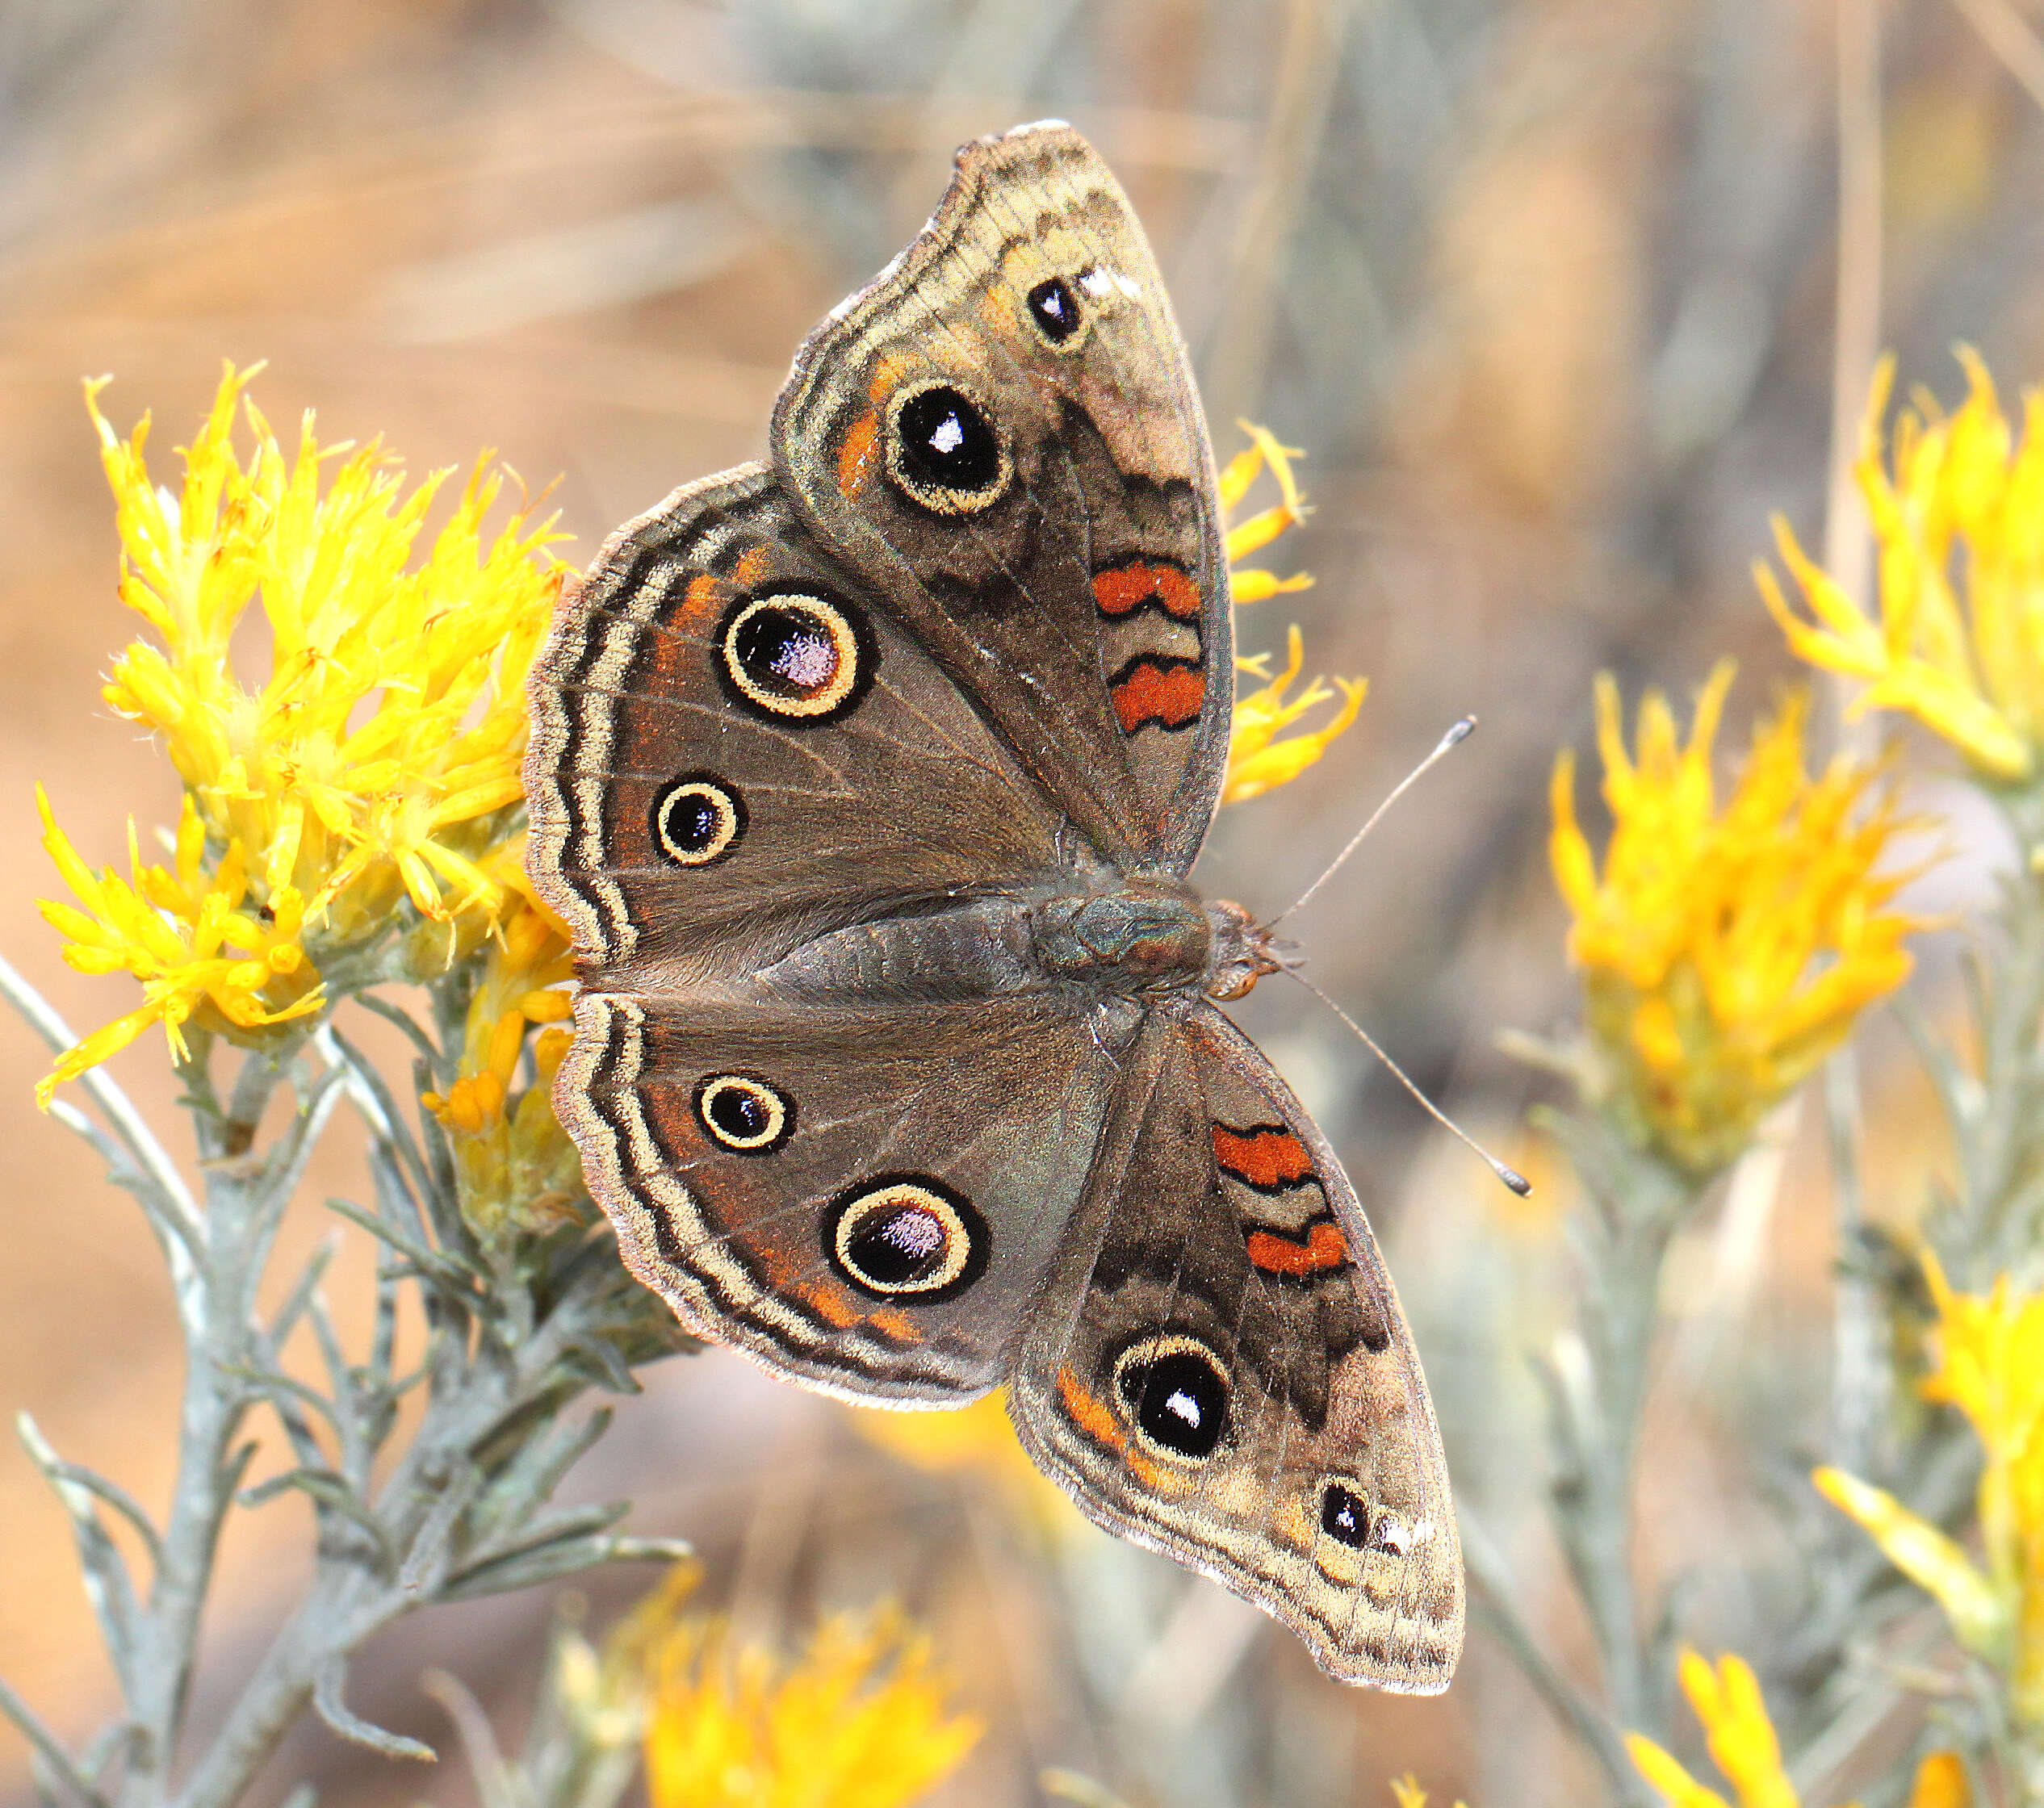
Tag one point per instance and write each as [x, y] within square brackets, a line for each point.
[1176, 1394]
[906, 1236]
[698, 819]
[1344, 1515]
[1393, 1534]
[802, 658]
[943, 452]
[744, 1113]
[1055, 309]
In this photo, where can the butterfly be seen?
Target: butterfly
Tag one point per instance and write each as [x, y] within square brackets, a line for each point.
[867, 780]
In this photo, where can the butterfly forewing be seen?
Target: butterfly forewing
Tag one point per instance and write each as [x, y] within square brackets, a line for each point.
[735, 747]
[1003, 432]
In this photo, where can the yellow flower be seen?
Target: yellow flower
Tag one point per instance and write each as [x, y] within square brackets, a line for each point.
[378, 757]
[859, 1720]
[1257, 761]
[1988, 1361]
[1741, 1739]
[514, 1165]
[978, 1439]
[1406, 1792]
[1960, 641]
[200, 955]
[1725, 953]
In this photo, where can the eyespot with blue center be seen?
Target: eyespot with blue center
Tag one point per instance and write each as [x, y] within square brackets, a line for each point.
[796, 656]
[906, 1237]
[698, 819]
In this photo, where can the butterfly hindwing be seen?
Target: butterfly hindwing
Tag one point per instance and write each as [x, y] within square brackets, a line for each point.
[866, 1199]
[1219, 1367]
[1002, 431]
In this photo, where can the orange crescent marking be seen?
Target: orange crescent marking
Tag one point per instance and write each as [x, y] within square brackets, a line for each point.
[752, 565]
[1264, 1157]
[1325, 1249]
[855, 455]
[1172, 695]
[829, 1304]
[887, 374]
[894, 1325]
[701, 598]
[1099, 1424]
[1127, 588]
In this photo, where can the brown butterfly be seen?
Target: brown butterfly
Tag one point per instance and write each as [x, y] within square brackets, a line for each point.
[868, 780]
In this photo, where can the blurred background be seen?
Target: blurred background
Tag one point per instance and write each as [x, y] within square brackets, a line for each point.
[1548, 291]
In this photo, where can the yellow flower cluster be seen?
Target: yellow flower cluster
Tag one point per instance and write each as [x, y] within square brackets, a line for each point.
[859, 1720]
[1726, 953]
[1988, 1361]
[378, 760]
[1960, 641]
[1258, 760]
[514, 1166]
[1742, 1740]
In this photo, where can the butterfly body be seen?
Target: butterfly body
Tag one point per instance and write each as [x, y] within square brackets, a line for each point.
[868, 781]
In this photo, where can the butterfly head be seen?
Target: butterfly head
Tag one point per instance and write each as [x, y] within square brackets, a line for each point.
[1241, 952]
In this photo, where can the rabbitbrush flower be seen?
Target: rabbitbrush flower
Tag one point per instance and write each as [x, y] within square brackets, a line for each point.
[859, 1720]
[1987, 1360]
[1725, 951]
[1741, 1737]
[1258, 759]
[1958, 515]
[372, 770]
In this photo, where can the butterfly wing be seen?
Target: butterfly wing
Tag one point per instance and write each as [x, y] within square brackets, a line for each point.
[736, 748]
[1219, 1367]
[1002, 431]
[866, 1199]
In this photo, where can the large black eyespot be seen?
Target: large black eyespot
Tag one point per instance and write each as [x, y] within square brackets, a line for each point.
[943, 452]
[698, 819]
[742, 1112]
[795, 655]
[1344, 1515]
[1055, 310]
[905, 1236]
[1176, 1395]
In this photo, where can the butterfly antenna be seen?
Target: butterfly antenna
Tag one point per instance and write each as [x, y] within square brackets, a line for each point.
[1511, 1177]
[1454, 738]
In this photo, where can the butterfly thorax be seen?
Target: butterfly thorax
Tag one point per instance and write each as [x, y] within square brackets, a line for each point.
[1148, 936]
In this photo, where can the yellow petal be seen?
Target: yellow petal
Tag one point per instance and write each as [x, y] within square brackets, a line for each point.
[1928, 1557]
[1676, 1786]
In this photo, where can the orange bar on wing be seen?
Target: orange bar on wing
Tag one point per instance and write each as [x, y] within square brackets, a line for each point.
[855, 454]
[1153, 691]
[1324, 1249]
[1128, 587]
[1267, 1157]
